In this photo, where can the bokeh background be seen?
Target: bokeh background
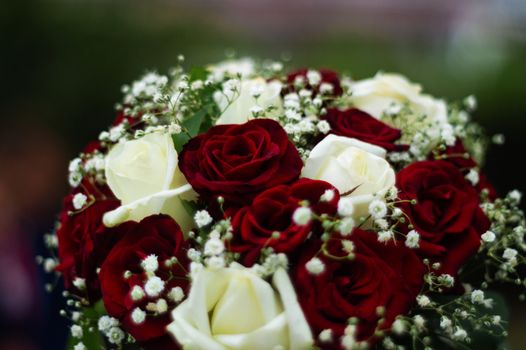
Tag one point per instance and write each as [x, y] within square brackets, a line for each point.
[62, 64]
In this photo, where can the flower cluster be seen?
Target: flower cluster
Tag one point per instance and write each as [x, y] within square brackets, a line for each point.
[235, 206]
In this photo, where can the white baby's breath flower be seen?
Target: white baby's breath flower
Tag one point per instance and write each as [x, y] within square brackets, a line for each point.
[327, 196]
[398, 327]
[412, 239]
[314, 77]
[76, 331]
[377, 209]
[445, 323]
[176, 294]
[79, 283]
[315, 266]
[107, 322]
[385, 236]
[345, 206]
[161, 306]
[215, 262]
[346, 226]
[137, 293]
[302, 216]
[214, 246]
[325, 335]
[115, 335]
[154, 286]
[348, 246]
[488, 237]
[79, 200]
[79, 346]
[423, 300]
[460, 334]
[202, 218]
[419, 321]
[515, 196]
[382, 223]
[477, 296]
[473, 177]
[138, 316]
[326, 88]
[150, 263]
[323, 126]
[509, 254]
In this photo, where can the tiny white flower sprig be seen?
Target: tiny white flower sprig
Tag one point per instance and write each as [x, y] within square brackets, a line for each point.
[503, 247]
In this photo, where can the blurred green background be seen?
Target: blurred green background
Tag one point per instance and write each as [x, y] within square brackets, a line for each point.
[63, 63]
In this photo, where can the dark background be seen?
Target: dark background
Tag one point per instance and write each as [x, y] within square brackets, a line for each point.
[62, 64]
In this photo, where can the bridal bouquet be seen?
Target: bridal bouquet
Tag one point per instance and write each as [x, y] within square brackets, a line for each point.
[236, 206]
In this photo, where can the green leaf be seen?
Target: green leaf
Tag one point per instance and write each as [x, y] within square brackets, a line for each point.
[193, 124]
[179, 141]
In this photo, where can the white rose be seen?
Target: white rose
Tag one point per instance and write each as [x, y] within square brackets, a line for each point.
[244, 67]
[349, 164]
[384, 93]
[238, 108]
[144, 175]
[233, 308]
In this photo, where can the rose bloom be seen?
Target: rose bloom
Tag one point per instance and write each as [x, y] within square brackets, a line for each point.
[237, 108]
[327, 76]
[362, 126]
[271, 213]
[385, 275]
[239, 161]
[380, 93]
[144, 174]
[233, 308]
[351, 165]
[157, 235]
[447, 214]
[83, 240]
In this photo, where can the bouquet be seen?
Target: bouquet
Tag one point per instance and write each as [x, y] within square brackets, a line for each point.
[235, 206]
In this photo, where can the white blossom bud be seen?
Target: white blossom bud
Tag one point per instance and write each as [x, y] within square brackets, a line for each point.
[315, 266]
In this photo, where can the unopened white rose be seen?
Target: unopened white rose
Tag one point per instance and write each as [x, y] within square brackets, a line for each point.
[349, 164]
[384, 93]
[232, 308]
[144, 175]
[238, 106]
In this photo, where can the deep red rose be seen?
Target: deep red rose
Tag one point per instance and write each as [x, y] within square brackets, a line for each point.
[327, 76]
[239, 161]
[460, 157]
[157, 235]
[447, 214]
[362, 126]
[83, 240]
[387, 275]
[272, 211]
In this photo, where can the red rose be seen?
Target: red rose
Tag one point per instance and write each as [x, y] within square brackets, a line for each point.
[272, 211]
[327, 76]
[157, 235]
[360, 125]
[447, 214]
[239, 161]
[380, 275]
[83, 240]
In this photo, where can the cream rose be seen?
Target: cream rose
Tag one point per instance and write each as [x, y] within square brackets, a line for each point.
[349, 164]
[144, 175]
[383, 94]
[233, 308]
[238, 106]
